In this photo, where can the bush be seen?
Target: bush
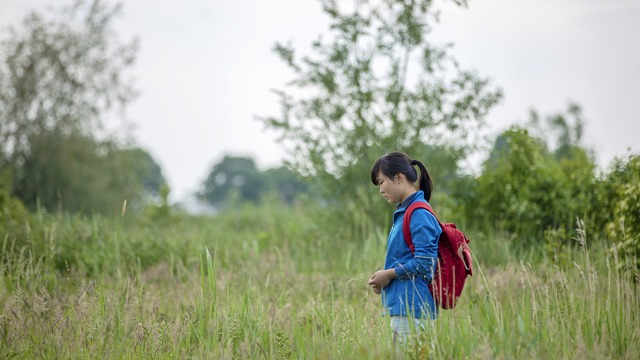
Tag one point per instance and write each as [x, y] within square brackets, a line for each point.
[622, 191]
[13, 214]
[526, 190]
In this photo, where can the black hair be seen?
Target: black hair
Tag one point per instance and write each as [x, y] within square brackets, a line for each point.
[395, 163]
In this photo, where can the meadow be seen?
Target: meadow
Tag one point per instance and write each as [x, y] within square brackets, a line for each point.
[290, 283]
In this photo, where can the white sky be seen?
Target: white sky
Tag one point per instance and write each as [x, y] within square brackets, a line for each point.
[205, 70]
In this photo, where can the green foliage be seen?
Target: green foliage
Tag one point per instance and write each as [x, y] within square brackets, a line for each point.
[232, 174]
[579, 174]
[526, 190]
[376, 85]
[535, 187]
[622, 189]
[13, 214]
[517, 188]
[60, 171]
[235, 180]
[563, 131]
[60, 76]
[140, 168]
[79, 174]
[285, 184]
[162, 211]
[555, 247]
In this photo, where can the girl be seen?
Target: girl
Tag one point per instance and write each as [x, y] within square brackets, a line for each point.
[403, 282]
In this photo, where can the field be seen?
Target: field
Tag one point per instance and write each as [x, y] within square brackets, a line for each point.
[264, 283]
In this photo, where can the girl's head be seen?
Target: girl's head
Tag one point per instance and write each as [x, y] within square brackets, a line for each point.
[392, 165]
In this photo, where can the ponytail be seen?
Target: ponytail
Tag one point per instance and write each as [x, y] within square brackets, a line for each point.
[426, 184]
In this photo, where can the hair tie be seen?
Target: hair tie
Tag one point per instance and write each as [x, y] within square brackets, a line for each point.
[414, 162]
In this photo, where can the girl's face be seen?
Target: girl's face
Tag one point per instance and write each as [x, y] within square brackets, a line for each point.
[391, 188]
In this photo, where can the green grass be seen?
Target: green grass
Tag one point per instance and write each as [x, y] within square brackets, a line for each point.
[263, 283]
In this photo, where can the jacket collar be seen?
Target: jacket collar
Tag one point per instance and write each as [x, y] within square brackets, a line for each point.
[410, 199]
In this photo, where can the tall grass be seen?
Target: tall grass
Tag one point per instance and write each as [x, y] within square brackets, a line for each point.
[266, 284]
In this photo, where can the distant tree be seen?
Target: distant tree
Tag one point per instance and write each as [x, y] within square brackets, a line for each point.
[561, 131]
[60, 76]
[376, 84]
[284, 183]
[235, 178]
[141, 168]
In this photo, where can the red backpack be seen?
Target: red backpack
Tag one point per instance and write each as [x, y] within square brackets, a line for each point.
[454, 259]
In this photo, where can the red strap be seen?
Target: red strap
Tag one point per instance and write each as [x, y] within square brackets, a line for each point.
[406, 221]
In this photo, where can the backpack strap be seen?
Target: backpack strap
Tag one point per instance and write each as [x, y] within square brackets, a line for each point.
[406, 221]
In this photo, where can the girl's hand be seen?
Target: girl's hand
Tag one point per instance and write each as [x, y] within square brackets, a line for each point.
[380, 279]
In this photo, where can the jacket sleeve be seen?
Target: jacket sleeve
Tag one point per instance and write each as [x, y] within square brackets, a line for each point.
[425, 232]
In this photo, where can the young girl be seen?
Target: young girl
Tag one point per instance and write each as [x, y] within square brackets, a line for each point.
[403, 282]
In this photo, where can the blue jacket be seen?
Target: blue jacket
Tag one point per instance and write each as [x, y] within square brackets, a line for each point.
[408, 295]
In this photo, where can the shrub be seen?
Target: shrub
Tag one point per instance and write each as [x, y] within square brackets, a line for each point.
[622, 187]
[526, 190]
[13, 214]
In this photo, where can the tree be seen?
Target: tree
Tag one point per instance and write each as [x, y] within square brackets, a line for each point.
[141, 168]
[376, 85]
[284, 183]
[232, 177]
[563, 131]
[63, 173]
[237, 179]
[60, 76]
[80, 174]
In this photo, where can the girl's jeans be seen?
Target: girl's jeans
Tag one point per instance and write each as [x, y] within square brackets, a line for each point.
[403, 327]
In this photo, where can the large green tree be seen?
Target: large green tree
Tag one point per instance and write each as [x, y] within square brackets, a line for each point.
[61, 75]
[375, 84]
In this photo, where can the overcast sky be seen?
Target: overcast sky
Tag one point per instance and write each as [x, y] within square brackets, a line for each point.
[205, 70]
